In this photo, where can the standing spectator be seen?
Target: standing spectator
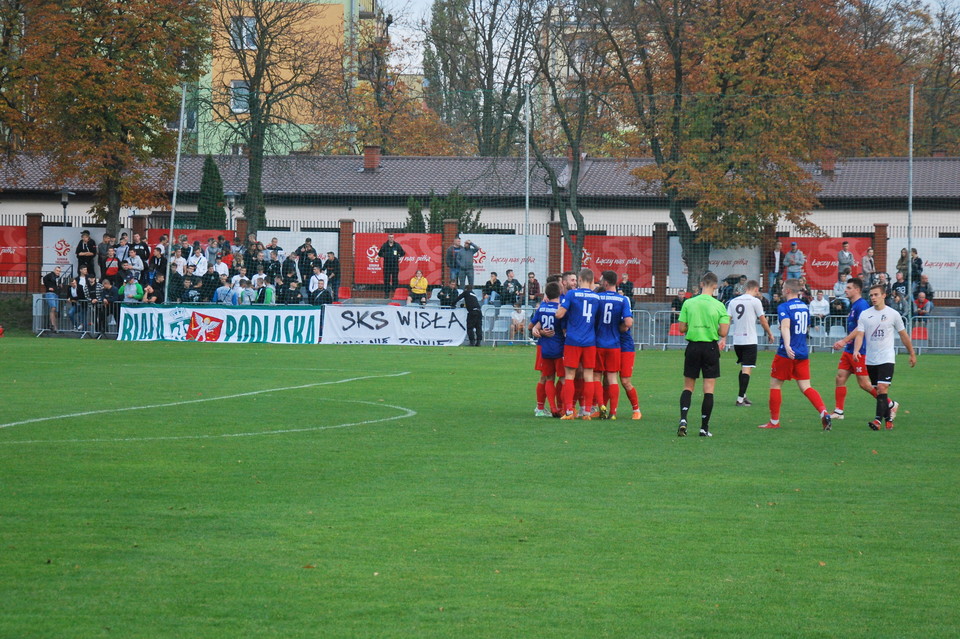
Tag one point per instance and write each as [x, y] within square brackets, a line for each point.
[868, 268]
[102, 247]
[111, 267]
[705, 322]
[512, 289]
[392, 253]
[916, 265]
[209, 283]
[154, 293]
[533, 290]
[626, 288]
[224, 293]
[258, 277]
[164, 245]
[492, 290]
[676, 304]
[292, 293]
[452, 258]
[332, 268]
[923, 286]
[274, 247]
[247, 295]
[109, 301]
[175, 286]
[291, 265]
[518, 322]
[274, 266]
[903, 263]
[184, 245]
[923, 307]
[197, 261]
[220, 267]
[305, 263]
[74, 311]
[323, 296]
[466, 269]
[131, 291]
[306, 247]
[122, 248]
[86, 252]
[136, 264]
[213, 250]
[448, 294]
[845, 260]
[794, 261]
[772, 265]
[155, 265]
[318, 282]
[177, 263]
[819, 309]
[141, 248]
[474, 315]
[418, 289]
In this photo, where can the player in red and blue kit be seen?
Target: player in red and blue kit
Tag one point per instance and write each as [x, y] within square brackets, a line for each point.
[579, 306]
[628, 352]
[792, 358]
[848, 364]
[613, 313]
[549, 350]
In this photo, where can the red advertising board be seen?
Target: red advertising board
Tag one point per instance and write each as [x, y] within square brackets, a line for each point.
[621, 254]
[422, 251]
[821, 254]
[13, 251]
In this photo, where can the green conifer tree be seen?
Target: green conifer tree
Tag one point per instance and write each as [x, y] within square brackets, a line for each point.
[210, 214]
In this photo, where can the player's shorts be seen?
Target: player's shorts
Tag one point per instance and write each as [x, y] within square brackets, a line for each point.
[701, 357]
[746, 354]
[847, 364]
[880, 373]
[786, 369]
[626, 363]
[576, 356]
[552, 367]
[608, 360]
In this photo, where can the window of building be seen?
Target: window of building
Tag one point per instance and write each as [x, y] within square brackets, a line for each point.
[240, 96]
[243, 32]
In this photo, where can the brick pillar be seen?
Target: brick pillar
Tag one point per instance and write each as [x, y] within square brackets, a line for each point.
[138, 225]
[768, 242]
[451, 228]
[554, 248]
[661, 261]
[880, 248]
[345, 252]
[34, 252]
[241, 228]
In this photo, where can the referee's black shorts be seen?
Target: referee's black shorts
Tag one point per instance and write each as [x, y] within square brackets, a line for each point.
[702, 357]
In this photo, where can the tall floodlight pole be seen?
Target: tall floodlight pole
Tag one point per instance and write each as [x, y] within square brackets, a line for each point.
[910, 211]
[526, 168]
[176, 186]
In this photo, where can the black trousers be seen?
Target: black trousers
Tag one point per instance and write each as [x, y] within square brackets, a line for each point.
[474, 327]
[391, 280]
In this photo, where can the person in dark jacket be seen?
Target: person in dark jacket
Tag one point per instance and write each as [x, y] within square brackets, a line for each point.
[448, 294]
[332, 268]
[391, 252]
[474, 315]
[209, 284]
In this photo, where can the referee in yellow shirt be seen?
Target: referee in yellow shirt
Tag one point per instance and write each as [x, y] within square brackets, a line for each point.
[705, 322]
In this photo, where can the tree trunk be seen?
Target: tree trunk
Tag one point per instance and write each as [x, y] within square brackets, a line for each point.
[254, 209]
[112, 216]
[696, 255]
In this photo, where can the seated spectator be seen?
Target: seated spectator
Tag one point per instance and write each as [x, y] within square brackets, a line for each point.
[512, 289]
[899, 285]
[882, 279]
[740, 287]
[676, 304]
[533, 290]
[838, 309]
[154, 293]
[518, 321]
[923, 307]
[491, 291]
[418, 289]
[448, 294]
[840, 286]
[899, 304]
[923, 286]
[806, 295]
[819, 309]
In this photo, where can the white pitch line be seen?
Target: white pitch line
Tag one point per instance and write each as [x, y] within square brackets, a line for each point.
[197, 401]
[406, 413]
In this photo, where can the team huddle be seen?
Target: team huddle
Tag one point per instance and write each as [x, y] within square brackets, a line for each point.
[585, 347]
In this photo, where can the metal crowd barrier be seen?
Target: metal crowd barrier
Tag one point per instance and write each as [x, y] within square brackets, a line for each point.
[83, 319]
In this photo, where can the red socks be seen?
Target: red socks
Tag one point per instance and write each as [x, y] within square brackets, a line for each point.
[814, 397]
[840, 396]
[551, 396]
[775, 401]
[632, 396]
[541, 394]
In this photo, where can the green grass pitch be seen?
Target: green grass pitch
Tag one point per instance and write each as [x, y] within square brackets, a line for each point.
[185, 490]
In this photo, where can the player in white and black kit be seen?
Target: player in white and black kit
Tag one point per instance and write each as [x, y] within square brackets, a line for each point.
[744, 312]
[877, 326]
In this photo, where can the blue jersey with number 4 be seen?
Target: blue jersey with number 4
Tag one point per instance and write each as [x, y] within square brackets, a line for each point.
[799, 315]
[581, 305]
[546, 314]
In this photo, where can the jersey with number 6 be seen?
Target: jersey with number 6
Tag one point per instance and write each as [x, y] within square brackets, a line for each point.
[612, 309]
[879, 329]
[744, 311]
[581, 316]
[799, 315]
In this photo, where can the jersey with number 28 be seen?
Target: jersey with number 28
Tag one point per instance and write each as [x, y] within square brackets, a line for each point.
[799, 315]
[581, 316]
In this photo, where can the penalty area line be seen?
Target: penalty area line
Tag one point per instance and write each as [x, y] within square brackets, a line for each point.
[198, 401]
[406, 412]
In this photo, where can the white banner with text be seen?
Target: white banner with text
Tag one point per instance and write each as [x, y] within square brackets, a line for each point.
[236, 325]
[394, 325]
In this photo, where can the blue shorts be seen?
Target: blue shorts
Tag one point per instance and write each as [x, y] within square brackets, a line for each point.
[52, 300]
